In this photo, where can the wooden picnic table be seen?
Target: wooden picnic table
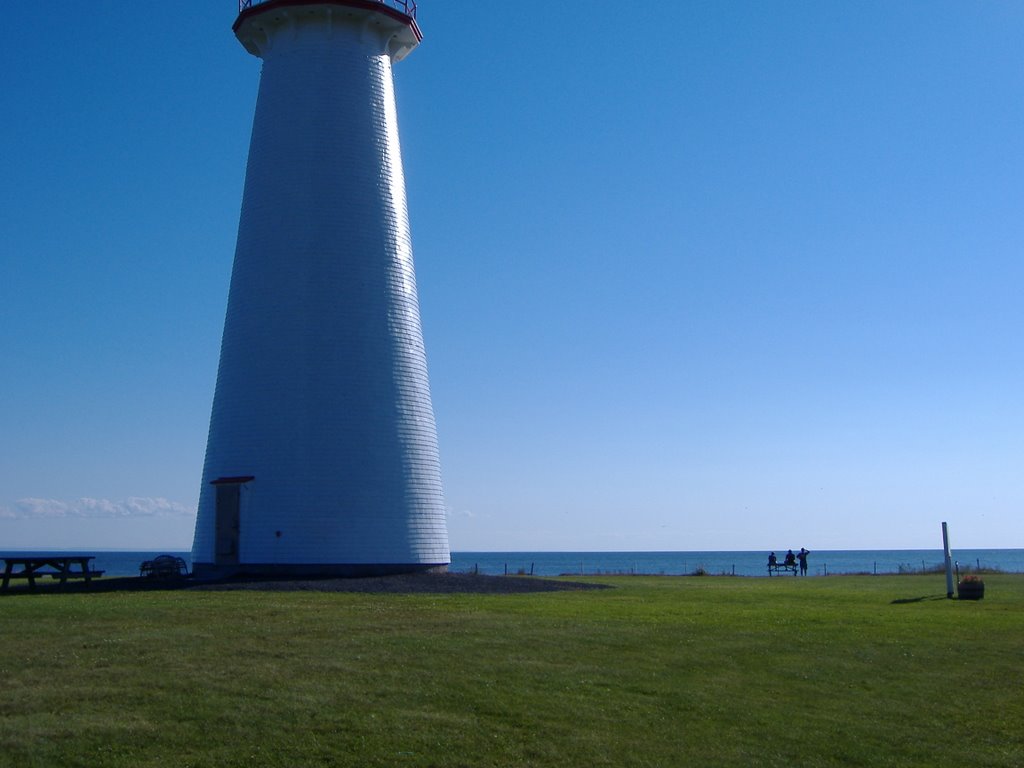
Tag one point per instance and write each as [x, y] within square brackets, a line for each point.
[58, 566]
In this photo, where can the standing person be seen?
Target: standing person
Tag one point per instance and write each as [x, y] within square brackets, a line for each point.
[802, 557]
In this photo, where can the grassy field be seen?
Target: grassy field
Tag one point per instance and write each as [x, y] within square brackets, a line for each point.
[659, 671]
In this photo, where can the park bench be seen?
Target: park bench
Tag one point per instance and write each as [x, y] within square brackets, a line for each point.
[164, 567]
[783, 568]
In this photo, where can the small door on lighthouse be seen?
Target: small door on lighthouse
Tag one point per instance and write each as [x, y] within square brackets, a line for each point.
[228, 513]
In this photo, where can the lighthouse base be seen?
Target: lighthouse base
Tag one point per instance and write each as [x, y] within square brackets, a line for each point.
[214, 572]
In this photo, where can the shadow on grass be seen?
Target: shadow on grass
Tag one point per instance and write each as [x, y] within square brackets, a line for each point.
[447, 583]
[906, 600]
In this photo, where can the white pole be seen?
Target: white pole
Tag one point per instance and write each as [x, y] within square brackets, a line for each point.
[949, 561]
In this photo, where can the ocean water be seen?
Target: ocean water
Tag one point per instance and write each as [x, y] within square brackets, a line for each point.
[730, 563]
[823, 563]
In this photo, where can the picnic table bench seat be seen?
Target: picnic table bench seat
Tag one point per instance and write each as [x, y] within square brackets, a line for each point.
[783, 568]
[55, 574]
[91, 574]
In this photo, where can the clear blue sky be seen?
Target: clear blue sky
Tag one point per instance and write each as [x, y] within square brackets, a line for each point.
[695, 275]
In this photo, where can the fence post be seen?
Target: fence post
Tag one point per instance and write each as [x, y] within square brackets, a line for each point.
[947, 556]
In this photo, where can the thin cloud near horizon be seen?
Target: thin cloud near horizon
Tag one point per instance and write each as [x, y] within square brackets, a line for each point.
[133, 506]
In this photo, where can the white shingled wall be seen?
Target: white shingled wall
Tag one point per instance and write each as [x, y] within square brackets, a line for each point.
[322, 392]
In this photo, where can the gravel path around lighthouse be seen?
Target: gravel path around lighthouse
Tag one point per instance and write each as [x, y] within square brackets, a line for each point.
[423, 583]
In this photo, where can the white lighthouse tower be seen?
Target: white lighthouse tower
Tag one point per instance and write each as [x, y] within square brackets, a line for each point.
[322, 454]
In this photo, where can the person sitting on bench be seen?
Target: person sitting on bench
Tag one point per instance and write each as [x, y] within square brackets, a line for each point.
[790, 558]
[773, 561]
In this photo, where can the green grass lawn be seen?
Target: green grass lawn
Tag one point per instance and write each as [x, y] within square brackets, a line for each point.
[660, 671]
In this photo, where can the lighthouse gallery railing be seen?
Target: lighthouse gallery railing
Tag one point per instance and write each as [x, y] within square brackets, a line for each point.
[408, 7]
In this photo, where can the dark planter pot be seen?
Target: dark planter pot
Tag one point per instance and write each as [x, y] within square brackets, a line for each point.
[971, 590]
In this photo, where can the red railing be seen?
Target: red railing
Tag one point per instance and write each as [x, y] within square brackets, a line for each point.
[408, 7]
